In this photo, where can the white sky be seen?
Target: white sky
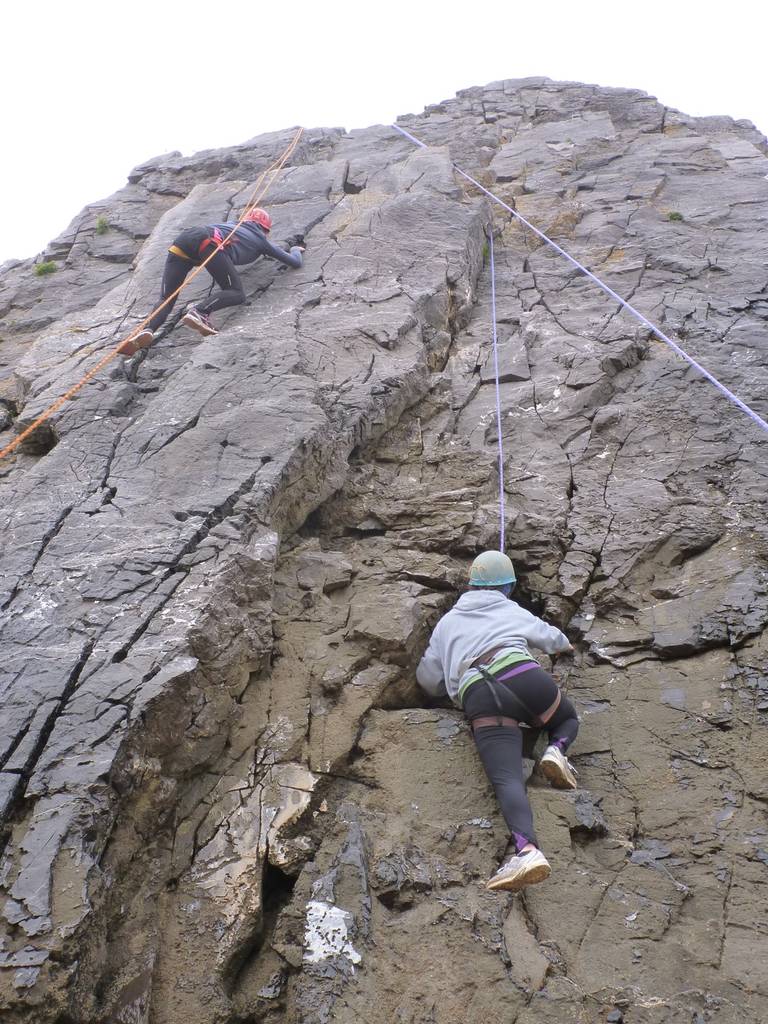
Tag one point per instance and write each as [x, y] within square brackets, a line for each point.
[90, 88]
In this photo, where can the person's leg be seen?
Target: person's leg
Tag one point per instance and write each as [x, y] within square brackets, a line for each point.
[501, 751]
[500, 748]
[176, 270]
[563, 726]
[222, 270]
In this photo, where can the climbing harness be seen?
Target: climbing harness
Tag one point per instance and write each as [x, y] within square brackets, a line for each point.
[491, 683]
[256, 197]
[755, 417]
[215, 238]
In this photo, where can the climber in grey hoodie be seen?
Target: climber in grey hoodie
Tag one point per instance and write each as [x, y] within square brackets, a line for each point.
[478, 655]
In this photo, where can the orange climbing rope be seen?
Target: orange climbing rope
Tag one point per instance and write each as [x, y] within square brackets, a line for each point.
[258, 194]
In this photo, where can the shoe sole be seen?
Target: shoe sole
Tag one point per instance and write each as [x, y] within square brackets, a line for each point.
[144, 339]
[555, 774]
[128, 348]
[531, 876]
[190, 321]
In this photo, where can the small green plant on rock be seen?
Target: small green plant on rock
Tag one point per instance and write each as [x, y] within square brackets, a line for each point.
[102, 225]
[675, 215]
[46, 267]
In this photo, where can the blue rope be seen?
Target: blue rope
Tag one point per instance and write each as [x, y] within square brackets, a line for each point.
[494, 335]
[755, 417]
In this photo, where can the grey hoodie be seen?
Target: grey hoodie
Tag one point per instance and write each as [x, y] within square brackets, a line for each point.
[480, 621]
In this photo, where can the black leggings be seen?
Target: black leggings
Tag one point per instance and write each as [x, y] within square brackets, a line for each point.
[523, 697]
[221, 268]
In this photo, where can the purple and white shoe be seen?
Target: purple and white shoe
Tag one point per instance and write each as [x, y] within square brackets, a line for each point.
[557, 768]
[521, 870]
[198, 322]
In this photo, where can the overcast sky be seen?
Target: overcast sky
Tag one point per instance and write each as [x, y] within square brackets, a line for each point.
[91, 88]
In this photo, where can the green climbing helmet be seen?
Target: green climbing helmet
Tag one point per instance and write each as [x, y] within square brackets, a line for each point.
[491, 569]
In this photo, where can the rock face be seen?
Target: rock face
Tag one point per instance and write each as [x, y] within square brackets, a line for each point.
[224, 799]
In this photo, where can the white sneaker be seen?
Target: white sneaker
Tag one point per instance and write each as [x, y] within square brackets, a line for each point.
[520, 870]
[557, 768]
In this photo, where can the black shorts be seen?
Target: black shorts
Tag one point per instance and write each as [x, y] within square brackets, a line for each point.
[524, 696]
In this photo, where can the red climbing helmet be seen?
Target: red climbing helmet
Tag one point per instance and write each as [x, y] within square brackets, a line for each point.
[260, 217]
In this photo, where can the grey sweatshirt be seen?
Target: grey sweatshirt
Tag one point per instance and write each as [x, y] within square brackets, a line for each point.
[480, 621]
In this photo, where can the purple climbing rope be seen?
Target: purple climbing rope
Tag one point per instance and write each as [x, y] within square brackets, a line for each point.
[498, 389]
[755, 417]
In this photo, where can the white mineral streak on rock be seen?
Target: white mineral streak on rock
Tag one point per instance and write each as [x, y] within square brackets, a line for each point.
[239, 846]
[326, 933]
[45, 604]
[296, 785]
[264, 546]
[280, 732]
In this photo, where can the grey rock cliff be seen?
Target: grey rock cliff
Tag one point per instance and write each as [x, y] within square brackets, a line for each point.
[222, 796]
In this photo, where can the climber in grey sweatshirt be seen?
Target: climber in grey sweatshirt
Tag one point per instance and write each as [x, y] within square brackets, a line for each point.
[479, 621]
[479, 656]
